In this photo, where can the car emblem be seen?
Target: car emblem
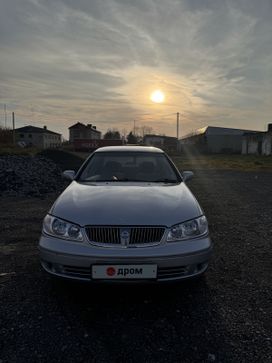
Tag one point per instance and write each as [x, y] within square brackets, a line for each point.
[124, 236]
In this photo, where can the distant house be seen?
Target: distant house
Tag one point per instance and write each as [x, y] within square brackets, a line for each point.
[79, 131]
[213, 139]
[168, 143]
[37, 136]
[258, 143]
[267, 142]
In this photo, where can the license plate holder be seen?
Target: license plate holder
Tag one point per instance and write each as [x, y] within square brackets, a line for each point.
[121, 272]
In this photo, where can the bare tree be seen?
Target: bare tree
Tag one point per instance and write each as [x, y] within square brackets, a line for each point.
[112, 134]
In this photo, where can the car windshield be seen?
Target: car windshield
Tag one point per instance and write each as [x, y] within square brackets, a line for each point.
[129, 166]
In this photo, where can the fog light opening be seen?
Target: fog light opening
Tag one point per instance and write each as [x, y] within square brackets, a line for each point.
[56, 268]
[49, 265]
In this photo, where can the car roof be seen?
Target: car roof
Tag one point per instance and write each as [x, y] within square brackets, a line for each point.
[129, 148]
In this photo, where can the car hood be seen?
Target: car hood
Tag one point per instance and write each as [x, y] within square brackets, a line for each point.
[126, 204]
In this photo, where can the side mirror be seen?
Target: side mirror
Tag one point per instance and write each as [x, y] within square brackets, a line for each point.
[69, 174]
[187, 175]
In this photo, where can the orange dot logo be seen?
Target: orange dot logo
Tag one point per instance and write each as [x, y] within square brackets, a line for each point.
[111, 271]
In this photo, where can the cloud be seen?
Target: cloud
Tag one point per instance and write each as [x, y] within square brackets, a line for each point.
[98, 61]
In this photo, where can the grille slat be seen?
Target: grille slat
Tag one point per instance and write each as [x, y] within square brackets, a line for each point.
[107, 235]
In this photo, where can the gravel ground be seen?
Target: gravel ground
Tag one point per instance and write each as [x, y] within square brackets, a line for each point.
[227, 317]
[29, 176]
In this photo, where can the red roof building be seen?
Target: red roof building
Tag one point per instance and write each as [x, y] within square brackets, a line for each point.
[79, 131]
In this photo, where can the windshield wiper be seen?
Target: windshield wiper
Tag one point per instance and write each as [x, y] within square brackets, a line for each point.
[115, 180]
[131, 180]
[173, 181]
[162, 180]
[98, 180]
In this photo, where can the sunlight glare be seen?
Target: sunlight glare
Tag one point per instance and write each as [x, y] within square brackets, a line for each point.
[157, 96]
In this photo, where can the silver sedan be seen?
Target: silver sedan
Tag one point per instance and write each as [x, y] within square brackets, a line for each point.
[127, 215]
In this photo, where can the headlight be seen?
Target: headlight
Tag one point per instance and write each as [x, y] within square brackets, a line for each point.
[59, 228]
[194, 228]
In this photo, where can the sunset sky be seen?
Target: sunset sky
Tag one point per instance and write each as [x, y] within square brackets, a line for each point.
[98, 61]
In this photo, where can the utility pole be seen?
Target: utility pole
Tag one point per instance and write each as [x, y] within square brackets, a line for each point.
[177, 125]
[13, 127]
[134, 128]
[5, 113]
[178, 148]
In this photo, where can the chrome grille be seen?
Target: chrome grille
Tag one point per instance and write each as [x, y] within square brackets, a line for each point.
[104, 234]
[107, 235]
[145, 235]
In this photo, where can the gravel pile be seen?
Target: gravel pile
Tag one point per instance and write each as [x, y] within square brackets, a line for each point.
[29, 176]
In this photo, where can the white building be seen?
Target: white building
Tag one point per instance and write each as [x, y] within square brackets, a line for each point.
[258, 143]
[267, 143]
[38, 137]
[168, 143]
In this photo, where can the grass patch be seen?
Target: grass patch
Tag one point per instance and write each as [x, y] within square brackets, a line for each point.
[73, 160]
[215, 162]
[6, 149]
[226, 162]
[64, 159]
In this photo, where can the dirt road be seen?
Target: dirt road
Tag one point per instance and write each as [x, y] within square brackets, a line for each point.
[226, 318]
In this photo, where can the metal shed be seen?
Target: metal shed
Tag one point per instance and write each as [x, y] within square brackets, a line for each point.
[215, 139]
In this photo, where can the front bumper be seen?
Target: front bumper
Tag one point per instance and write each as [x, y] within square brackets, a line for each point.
[175, 260]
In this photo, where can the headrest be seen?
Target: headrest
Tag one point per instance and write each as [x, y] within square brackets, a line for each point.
[147, 167]
[112, 165]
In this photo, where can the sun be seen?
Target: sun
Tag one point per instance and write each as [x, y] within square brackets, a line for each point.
[157, 96]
